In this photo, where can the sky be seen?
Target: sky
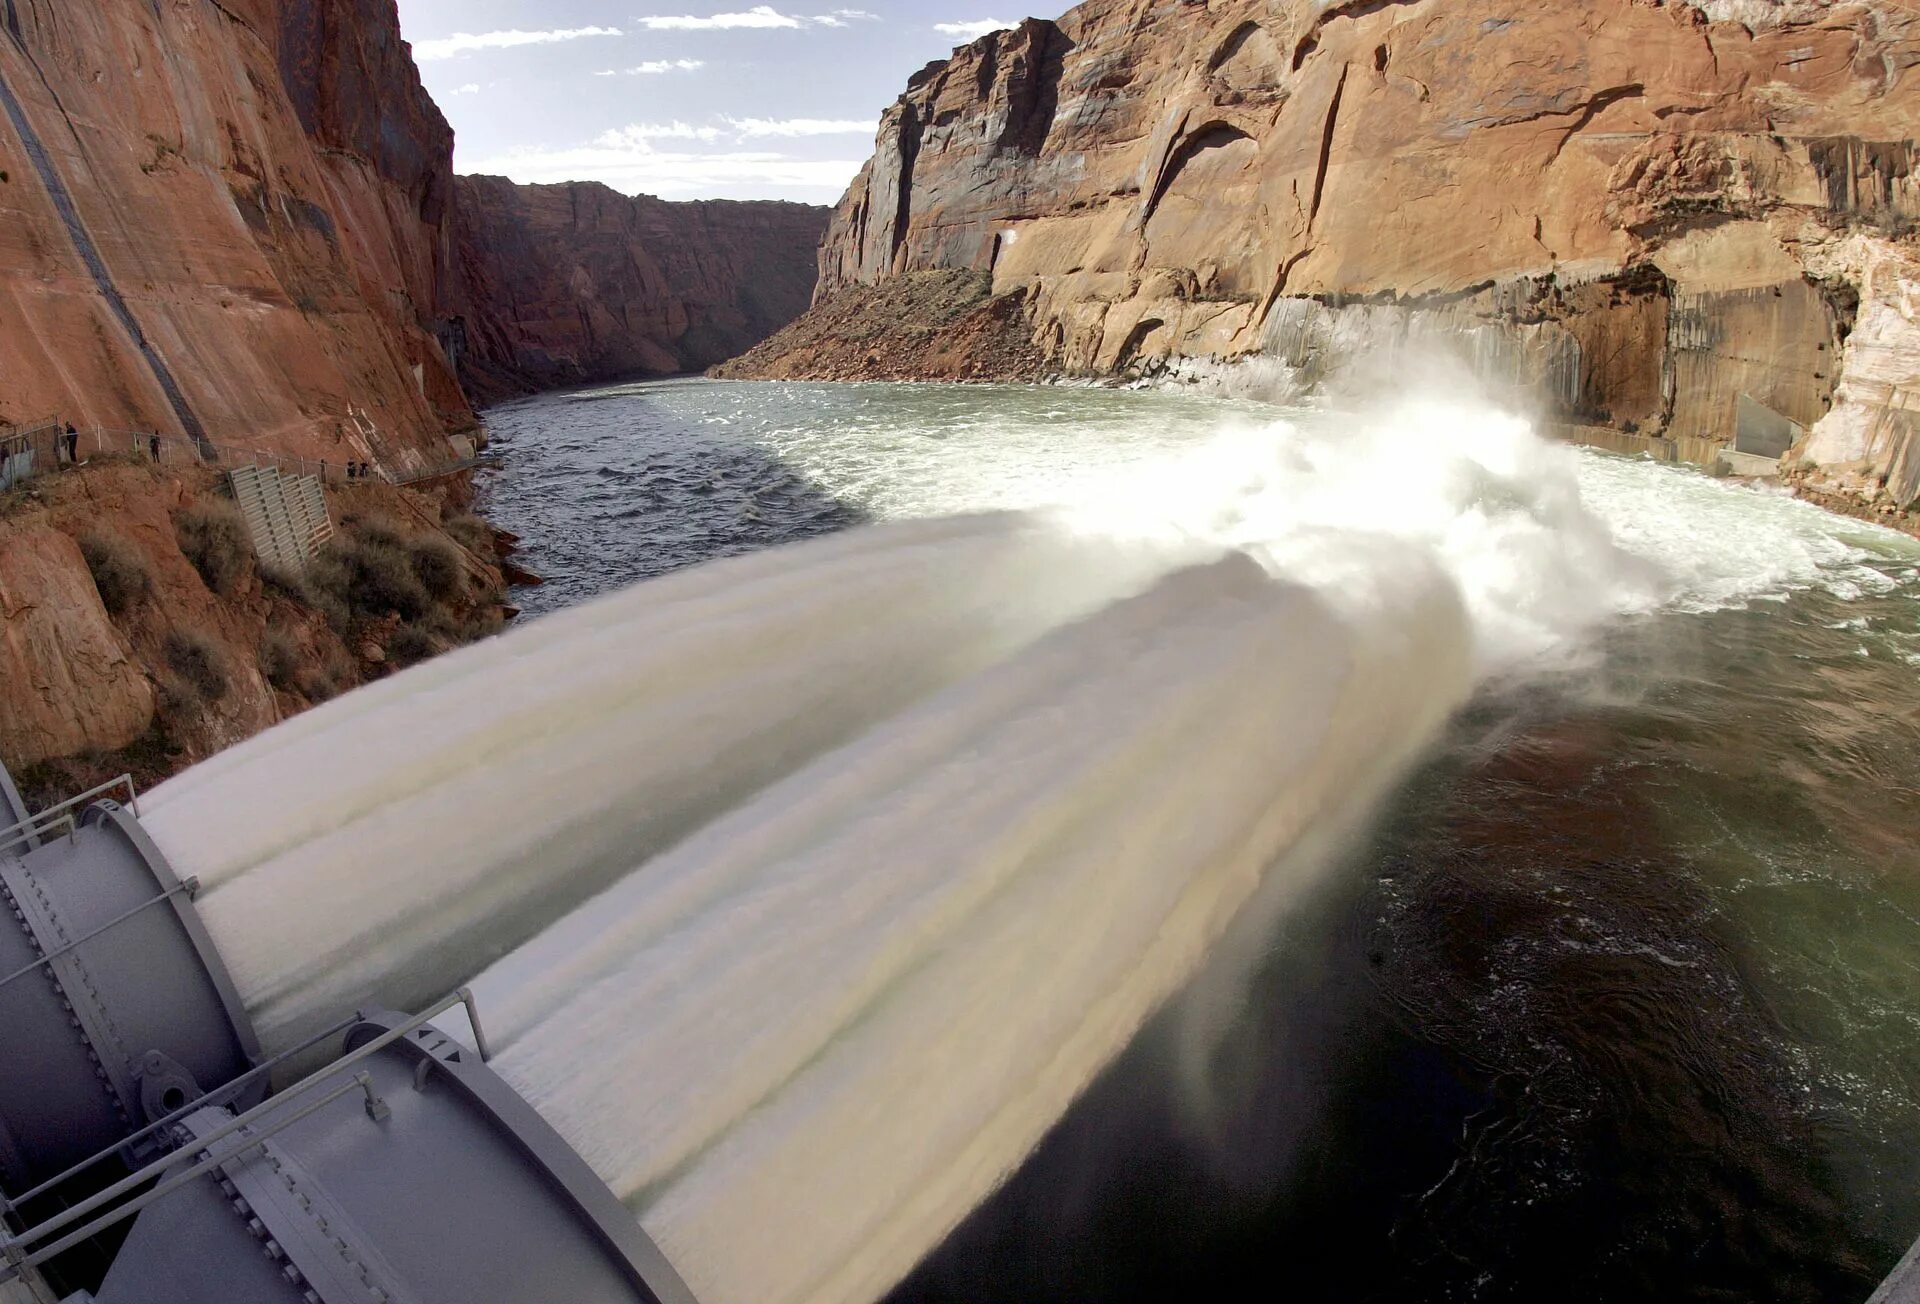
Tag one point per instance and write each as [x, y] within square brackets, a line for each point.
[684, 99]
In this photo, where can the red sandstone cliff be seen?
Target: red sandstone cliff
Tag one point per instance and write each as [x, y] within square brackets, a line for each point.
[1641, 210]
[569, 283]
[224, 220]
[238, 221]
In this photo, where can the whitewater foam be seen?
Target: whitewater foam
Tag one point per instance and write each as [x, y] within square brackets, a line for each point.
[835, 1019]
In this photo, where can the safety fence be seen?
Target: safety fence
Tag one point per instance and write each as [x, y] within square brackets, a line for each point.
[44, 445]
[49, 447]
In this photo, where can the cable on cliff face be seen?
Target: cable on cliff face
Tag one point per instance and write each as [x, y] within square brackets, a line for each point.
[89, 252]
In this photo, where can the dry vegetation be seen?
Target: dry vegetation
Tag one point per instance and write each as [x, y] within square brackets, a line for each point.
[230, 645]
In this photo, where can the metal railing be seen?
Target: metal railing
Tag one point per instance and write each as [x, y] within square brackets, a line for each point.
[25, 1250]
[168, 450]
[63, 815]
[45, 440]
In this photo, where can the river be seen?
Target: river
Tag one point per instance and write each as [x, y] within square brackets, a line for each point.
[1618, 996]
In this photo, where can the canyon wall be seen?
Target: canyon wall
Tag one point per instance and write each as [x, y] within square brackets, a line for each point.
[577, 282]
[225, 221]
[1675, 223]
[237, 221]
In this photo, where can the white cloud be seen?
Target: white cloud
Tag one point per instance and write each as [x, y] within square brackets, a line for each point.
[972, 31]
[637, 167]
[753, 128]
[654, 67]
[471, 88]
[763, 16]
[758, 16]
[641, 135]
[467, 42]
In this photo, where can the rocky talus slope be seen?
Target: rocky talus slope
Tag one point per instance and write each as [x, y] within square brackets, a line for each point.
[1669, 220]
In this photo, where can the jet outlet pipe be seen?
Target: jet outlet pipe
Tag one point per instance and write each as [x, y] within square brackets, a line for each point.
[115, 1006]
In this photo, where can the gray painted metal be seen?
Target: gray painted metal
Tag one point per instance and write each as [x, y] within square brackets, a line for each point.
[114, 1006]
[1903, 1287]
[430, 1183]
[13, 811]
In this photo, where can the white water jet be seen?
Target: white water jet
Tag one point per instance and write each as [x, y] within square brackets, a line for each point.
[837, 1018]
[888, 880]
[387, 846]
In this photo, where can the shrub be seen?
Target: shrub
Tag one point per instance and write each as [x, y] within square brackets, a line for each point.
[376, 530]
[214, 538]
[411, 644]
[439, 567]
[472, 533]
[280, 659]
[371, 577]
[199, 664]
[288, 583]
[118, 572]
[328, 681]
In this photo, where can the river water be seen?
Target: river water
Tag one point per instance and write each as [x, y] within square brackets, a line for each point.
[1619, 996]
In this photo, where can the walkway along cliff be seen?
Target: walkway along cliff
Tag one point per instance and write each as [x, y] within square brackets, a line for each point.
[1679, 225]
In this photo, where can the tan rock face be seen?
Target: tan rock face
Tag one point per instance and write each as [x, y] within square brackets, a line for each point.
[1612, 202]
[569, 283]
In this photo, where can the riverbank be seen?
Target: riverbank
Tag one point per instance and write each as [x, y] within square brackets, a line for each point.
[142, 634]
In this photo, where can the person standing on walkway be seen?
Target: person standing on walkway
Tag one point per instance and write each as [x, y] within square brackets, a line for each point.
[153, 445]
[73, 445]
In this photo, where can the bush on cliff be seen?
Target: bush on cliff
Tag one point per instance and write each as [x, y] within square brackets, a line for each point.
[439, 567]
[201, 667]
[471, 533]
[119, 572]
[280, 660]
[371, 573]
[412, 644]
[214, 538]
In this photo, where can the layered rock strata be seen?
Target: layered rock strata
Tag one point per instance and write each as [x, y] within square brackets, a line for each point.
[569, 283]
[1654, 216]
